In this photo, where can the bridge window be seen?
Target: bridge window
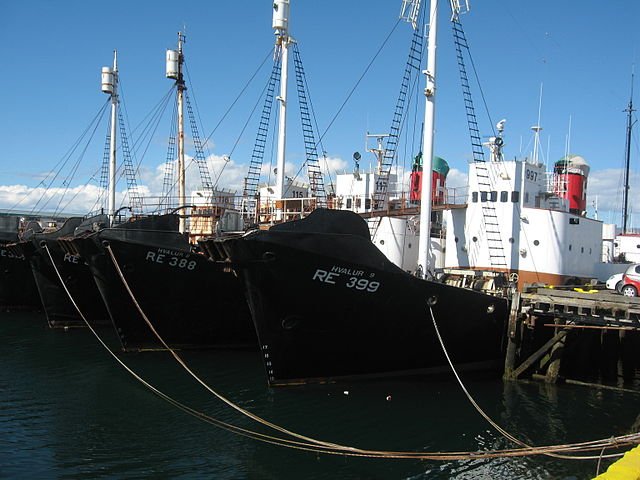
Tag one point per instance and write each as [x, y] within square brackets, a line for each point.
[493, 196]
[483, 196]
[504, 196]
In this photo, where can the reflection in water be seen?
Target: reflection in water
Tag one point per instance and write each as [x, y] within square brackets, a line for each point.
[69, 411]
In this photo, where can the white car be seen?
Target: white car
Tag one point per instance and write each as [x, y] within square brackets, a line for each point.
[614, 282]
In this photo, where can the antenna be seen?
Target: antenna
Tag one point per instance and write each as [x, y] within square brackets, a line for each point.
[380, 151]
[536, 129]
[567, 147]
[630, 123]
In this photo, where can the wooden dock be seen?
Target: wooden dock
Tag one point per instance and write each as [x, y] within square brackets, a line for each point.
[557, 333]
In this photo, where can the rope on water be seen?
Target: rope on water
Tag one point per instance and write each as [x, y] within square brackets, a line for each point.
[495, 425]
[198, 379]
[317, 446]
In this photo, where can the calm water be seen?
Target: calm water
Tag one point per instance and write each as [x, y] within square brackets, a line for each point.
[68, 410]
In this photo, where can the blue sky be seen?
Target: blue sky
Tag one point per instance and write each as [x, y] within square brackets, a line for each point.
[581, 53]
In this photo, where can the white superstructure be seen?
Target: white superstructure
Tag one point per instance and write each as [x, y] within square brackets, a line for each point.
[542, 241]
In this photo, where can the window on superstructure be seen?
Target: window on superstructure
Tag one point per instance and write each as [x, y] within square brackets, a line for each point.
[493, 196]
[367, 203]
[515, 197]
[504, 196]
[483, 196]
[358, 202]
[349, 203]
[474, 197]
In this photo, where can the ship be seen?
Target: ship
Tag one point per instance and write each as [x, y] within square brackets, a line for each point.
[17, 286]
[328, 304]
[155, 284]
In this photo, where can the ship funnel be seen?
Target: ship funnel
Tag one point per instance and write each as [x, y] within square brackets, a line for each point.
[570, 181]
[107, 80]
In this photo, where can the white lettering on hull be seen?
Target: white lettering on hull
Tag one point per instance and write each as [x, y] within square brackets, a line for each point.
[171, 258]
[348, 278]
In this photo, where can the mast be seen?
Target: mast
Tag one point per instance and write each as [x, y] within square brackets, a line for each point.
[175, 60]
[629, 110]
[283, 40]
[110, 86]
[427, 144]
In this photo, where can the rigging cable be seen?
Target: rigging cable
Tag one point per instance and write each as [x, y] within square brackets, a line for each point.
[269, 54]
[353, 89]
[61, 163]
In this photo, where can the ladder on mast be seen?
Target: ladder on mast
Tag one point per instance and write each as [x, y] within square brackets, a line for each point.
[205, 178]
[410, 12]
[489, 217]
[252, 179]
[316, 181]
[135, 199]
[104, 172]
[168, 183]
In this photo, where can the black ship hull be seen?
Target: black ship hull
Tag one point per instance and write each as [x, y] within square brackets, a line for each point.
[80, 285]
[51, 266]
[17, 285]
[189, 301]
[326, 303]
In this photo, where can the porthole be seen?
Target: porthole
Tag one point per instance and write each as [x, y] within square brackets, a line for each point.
[381, 242]
[289, 323]
[511, 240]
[475, 239]
[536, 242]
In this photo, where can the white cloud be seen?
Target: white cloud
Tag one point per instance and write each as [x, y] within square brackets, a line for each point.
[604, 188]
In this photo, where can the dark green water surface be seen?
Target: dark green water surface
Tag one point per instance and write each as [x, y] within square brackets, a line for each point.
[68, 410]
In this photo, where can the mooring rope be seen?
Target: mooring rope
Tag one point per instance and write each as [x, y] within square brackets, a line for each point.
[190, 372]
[306, 438]
[484, 415]
[185, 408]
[333, 449]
